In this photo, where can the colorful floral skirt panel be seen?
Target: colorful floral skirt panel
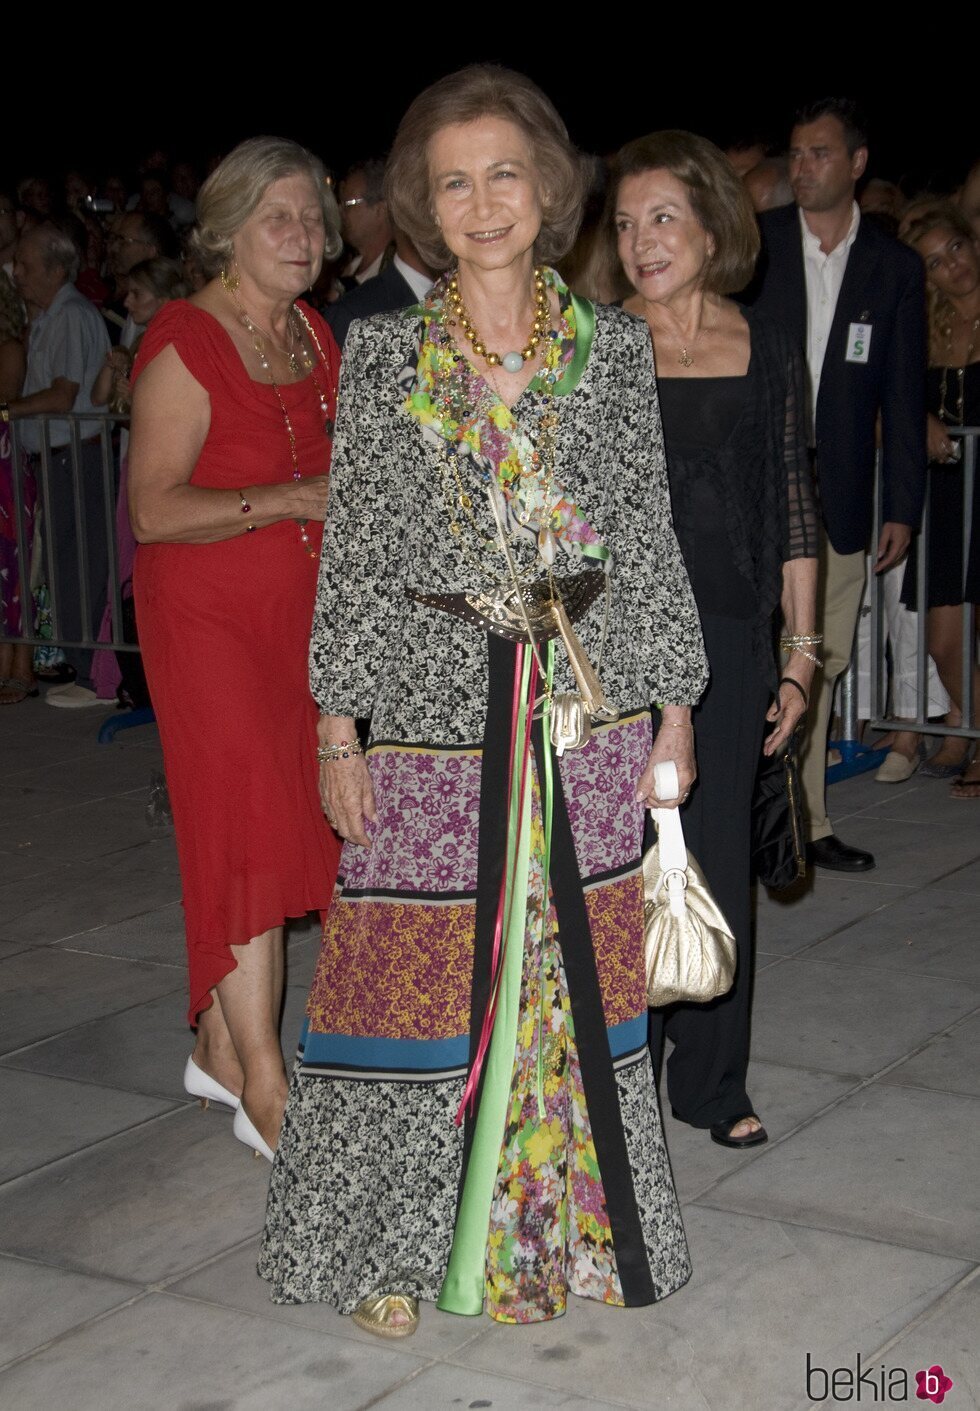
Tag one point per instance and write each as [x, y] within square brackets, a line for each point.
[555, 1177]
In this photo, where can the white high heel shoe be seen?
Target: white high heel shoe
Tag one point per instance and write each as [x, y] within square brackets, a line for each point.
[201, 1085]
[246, 1131]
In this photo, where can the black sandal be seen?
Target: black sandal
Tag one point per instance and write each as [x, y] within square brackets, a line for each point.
[60, 675]
[721, 1133]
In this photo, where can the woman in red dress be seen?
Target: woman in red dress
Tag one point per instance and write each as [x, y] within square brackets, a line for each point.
[233, 405]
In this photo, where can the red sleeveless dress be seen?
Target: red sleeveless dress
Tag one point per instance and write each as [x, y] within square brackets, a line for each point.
[224, 630]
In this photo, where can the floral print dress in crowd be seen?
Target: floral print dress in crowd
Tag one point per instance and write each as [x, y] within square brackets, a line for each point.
[472, 1118]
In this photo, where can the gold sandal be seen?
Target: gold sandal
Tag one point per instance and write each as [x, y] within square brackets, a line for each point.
[374, 1314]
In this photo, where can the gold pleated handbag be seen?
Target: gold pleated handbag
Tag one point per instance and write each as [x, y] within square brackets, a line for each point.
[688, 945]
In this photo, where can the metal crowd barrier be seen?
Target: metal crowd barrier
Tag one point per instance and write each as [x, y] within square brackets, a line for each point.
[856, 757]
[90, 450]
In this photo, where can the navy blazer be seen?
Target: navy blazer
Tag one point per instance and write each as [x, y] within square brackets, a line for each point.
[381, 294]
[884, 286]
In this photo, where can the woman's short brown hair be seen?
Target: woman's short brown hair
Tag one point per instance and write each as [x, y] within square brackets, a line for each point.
[717, 195]
[478, 91]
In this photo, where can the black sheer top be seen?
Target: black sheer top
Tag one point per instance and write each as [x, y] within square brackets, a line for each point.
[741, 485]
[700, 416]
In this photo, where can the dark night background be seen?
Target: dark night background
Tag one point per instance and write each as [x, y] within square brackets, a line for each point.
[923, 129]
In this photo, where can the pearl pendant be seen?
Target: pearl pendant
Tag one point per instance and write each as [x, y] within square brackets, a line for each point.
[513, 362]
[547, 546]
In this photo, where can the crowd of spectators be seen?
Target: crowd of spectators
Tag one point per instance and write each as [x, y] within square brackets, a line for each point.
[88, 234]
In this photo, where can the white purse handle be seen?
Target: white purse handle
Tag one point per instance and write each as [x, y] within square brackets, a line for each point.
[670, 836]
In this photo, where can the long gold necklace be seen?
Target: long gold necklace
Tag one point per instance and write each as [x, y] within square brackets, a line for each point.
[513, 361]
[311, 367]
[944, 413]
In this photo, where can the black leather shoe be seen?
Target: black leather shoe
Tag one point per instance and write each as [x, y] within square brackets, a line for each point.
[836, 856]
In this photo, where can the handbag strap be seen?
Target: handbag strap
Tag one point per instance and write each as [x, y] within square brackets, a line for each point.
[670, 834]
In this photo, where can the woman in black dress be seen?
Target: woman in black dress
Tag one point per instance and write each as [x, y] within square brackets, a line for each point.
[731, 397]
[950, 250]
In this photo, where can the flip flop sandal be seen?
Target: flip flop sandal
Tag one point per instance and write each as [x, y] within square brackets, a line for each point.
[721, 1133]
[374, 1315]
[961, 786]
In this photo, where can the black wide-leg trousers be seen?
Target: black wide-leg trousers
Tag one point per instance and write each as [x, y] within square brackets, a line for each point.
[707, 1067]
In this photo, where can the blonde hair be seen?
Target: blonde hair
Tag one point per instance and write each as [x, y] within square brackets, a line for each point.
[237, 185]
[478, 91]
[941, 215]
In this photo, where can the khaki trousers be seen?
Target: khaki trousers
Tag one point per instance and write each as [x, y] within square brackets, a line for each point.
[840, 589]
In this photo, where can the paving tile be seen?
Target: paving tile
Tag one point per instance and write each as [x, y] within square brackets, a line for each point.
[156, 936]
[169, 1352]
[68, 900]
[761, 1295]
[142, 1049]
[947, 1337]
[905, 849]
[31, 798]
[764, 1294]
[893, 1164]
[91, 771]
[948, 1064]
[924, 801]
[45, 991]
[783, 1096]
[37, 1303]
[45, 1118]
[850, 796]
[147, 1205]
[850, 1019]
[964, 879]
[932, 931]
[786, 922]
[232, 1282]
[8, 948]
[453, 1386]
[89, 830]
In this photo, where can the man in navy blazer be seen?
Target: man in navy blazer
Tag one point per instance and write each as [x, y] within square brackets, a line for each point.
[402, 281]
[854, 298]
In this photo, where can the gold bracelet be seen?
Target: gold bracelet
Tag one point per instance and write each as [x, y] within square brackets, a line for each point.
[344, 749]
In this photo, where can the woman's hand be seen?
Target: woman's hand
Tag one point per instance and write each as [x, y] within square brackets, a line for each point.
[675, 741]
[306, 498]
[784, 712]
[345, 784]
[347, 797]
[939, 443]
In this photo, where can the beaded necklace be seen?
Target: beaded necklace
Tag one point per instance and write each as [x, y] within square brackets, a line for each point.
[296, 316]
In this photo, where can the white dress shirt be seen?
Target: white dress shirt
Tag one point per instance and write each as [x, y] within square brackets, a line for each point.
[824, 277]
[420, 284]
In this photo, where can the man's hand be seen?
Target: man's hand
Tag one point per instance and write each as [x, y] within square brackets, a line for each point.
[893, 545]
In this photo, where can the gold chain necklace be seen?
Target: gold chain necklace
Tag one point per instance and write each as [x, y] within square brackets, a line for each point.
[513, 361]
[321, 391]
[259, 335]
[944, 413]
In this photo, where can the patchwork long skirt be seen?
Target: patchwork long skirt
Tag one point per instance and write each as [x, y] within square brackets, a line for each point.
[472, 1117]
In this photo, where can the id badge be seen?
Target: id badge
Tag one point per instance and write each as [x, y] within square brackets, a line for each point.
[858, 343]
